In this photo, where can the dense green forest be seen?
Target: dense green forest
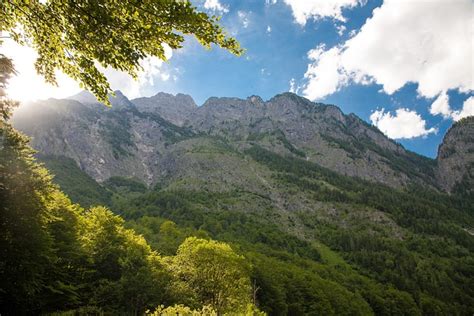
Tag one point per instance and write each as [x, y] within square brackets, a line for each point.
[166, 250]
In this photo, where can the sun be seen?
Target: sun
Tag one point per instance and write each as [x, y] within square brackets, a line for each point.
[27, 85]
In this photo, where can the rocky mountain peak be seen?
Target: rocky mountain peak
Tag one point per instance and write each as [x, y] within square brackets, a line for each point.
[174, 108]
[137, 137]
[85, 97]
[120, 101]
[456, 157]
[180, 99]
[224, 102]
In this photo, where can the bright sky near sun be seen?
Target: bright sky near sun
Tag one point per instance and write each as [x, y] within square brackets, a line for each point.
[406, 66]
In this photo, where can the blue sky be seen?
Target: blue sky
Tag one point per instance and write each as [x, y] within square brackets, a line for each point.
[405, 66]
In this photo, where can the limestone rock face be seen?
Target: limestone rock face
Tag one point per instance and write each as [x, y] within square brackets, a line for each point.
[176, 109]
[167, 137]
[320, 133]
[104, 142]
[456, 157]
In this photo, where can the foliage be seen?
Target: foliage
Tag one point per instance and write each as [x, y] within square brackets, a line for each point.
[182, 310]
[76, 36]
[210, 272]
[198, 210]
[23, 242]
[6, 105]
[78, 185]
[419, 252]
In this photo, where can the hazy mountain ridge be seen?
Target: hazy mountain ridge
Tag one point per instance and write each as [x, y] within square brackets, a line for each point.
[133, 137]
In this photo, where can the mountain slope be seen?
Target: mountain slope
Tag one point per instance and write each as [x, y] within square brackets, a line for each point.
[321, 133]
[104, 142]
[135, 136]
[456, 157]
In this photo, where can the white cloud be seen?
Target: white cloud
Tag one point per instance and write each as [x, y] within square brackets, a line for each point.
[303, 10]
[424, 42]
[29, 86]
[340, 29]
[293, 87]
[215, 5]
[404, 124]
[268, 2]
[165, 76]
[244, 18]
[467, 110]
[269, 29]
[441, 106]
[324, 74]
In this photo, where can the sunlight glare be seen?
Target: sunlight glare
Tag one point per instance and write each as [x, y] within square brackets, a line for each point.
[27, 85]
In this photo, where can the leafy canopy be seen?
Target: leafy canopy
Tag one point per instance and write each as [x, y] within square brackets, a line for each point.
[7, 70]
[213, 273]
[77, 37]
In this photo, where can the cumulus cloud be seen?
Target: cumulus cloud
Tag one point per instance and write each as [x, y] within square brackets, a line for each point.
[424, 42]
[441, 107]
[467, 110]
[404, 124]
[324, 74]
[29, 86]
[269, 29]
[216, 6]
[303, 10]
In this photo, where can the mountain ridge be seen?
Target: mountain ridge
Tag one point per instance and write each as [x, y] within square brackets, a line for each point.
[135, 135]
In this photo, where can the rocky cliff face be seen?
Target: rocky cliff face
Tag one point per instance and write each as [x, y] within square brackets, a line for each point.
[104, 142]
[456, 157]
[162, 137]
[175, 109]
[320, 133]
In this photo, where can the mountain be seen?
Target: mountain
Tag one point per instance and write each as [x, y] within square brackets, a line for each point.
[175, 109]
[103, 141]
[141, 137]
[334, 217]
[456, 157]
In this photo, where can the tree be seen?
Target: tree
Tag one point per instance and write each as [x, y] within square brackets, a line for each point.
[127, 275]
[214, 274]
[77, 36]
[24, 185]
[182, 310]
[6, 105]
